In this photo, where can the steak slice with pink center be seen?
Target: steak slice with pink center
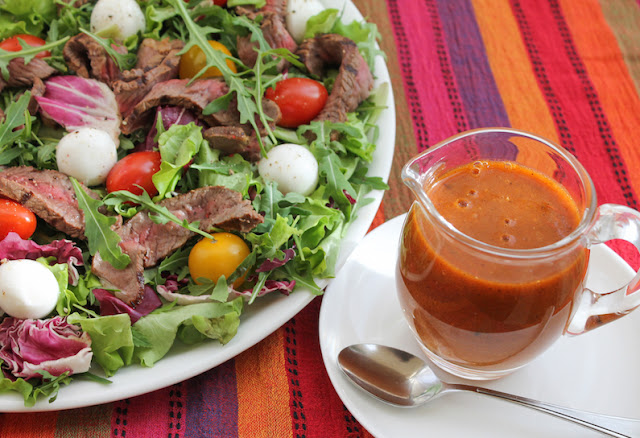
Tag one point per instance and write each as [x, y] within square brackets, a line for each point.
[147, 242]
[48, 194]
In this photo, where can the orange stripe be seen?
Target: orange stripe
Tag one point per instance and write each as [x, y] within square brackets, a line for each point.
[379, 217]
[512, 70]
[263, 390]
[29, 425]
[608, 72]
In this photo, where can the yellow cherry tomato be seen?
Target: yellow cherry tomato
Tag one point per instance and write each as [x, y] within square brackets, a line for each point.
[194, 60]
[211, 260]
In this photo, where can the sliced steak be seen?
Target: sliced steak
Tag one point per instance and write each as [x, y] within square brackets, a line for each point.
[354, 81]
[147, 242]
[231, 116]
[23, 75]
[175, 92]
[89, 59]
[48, 194]
[153, 53]
[233, 140]
[37, 90]
[277, 6]
[158, 61]
[275, 33]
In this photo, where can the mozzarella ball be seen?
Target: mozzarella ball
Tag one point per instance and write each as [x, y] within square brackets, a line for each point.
[27, 289]
[87, 154]
[292, 167]
[117, 19]
[298, 13]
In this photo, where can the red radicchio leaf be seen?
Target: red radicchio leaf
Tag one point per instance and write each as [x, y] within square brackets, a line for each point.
[171, 115]
[111, 305]
[13, 247]
[282, 286]
[76, 102]
[349, 197]
[172, 284]
[269, 265]
[53, 345]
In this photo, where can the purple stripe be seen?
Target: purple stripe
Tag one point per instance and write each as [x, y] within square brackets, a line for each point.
[470, 65]
[212, 403]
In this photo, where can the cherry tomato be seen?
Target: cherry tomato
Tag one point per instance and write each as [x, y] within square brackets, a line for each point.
[13, 45]
[17, 218]
[135, 169]
[299, 99]
[194, 60]
[212, 260]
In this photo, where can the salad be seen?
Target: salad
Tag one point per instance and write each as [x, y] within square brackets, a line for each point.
[166, 164]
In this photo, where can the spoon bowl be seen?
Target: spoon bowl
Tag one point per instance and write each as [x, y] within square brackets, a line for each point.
[401, 379]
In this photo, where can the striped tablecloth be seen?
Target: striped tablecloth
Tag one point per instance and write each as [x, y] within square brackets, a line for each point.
[568, 70]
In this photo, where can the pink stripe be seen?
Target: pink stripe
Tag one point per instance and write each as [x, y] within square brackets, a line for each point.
[427, 83]
[159, 413]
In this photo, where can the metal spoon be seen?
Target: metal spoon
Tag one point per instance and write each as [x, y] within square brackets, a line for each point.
[402, 379]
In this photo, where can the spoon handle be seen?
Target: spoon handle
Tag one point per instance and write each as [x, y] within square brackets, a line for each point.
[614, 426]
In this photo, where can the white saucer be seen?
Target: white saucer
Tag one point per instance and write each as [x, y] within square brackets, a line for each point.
[597, 371]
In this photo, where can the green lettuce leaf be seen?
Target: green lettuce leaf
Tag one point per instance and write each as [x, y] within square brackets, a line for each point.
[200, 328]
[161, 329]
[26, 16]
[111, 339]
[178, 145]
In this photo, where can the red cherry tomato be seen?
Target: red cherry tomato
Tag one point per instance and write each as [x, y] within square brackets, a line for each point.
[135, 169]
[299, 99]
[14, 217]
[13, 45]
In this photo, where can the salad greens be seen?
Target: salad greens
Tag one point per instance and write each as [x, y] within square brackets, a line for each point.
[297, 243]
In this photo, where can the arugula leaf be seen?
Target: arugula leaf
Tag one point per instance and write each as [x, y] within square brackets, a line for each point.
[92, 378]
[338, 186]
[272, 202]
[50, 385]
[16, 115]
[269, 243]
[175, 263]
[100, 237]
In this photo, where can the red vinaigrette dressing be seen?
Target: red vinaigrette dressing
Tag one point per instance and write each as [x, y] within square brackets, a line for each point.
[480, 311]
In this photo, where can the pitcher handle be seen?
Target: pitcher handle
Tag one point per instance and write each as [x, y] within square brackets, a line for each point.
[596, 308]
